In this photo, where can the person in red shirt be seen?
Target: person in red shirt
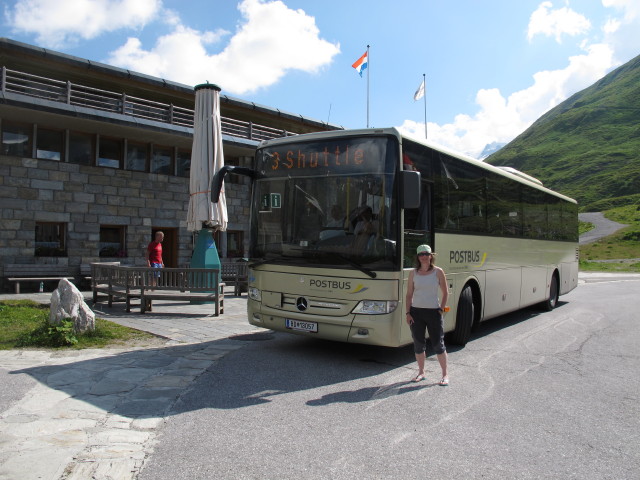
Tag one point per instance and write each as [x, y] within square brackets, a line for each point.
[153, 254]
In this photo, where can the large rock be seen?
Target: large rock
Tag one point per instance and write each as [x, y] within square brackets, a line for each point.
[68, 302]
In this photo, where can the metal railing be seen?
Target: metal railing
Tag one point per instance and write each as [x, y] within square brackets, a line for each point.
[74, 94]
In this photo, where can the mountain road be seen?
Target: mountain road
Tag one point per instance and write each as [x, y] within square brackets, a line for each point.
[603, 227]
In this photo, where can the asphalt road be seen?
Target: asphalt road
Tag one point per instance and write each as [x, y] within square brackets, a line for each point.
[13, 388]
[602, 227]
[532, 395]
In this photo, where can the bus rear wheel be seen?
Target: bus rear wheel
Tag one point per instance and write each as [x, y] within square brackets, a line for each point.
[551, 302]
[464, 318]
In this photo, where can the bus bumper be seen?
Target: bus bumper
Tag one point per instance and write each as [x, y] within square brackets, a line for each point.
[365, 329]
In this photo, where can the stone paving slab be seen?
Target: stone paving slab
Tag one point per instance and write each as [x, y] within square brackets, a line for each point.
[96, 413]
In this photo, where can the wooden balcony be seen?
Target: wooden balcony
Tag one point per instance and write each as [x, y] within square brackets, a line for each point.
[80, 95]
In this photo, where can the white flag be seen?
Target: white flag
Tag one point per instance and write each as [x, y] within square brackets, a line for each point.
[420, 92]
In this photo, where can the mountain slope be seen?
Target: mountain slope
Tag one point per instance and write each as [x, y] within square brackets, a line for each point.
[587, 147]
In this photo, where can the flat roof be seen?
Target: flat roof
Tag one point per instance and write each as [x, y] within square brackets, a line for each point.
[25, 48]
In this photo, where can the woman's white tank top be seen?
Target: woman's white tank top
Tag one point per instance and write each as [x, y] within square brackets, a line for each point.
[425, 290]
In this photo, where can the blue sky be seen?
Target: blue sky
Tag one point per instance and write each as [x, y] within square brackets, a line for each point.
[492, 66]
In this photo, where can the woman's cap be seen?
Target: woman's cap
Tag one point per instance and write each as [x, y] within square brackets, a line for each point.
[424, 249]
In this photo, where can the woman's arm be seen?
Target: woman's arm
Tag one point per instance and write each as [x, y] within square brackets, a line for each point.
[443, 288]
[409, 297]
[409, 291]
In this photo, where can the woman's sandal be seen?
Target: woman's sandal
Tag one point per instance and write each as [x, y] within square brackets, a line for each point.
[418, 378]
[444, 382]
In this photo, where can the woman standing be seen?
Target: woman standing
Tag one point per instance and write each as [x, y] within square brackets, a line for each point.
[425, 312]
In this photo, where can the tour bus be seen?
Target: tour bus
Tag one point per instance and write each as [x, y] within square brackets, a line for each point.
[336, 218]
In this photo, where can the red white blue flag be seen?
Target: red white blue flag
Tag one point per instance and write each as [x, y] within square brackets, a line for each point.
[361, 64]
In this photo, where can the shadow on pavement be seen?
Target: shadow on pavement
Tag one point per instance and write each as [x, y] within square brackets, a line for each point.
[147, 383]
[505, 321]
[286, 364]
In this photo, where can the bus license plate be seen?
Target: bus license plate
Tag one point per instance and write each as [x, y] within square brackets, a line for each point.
[300, 325]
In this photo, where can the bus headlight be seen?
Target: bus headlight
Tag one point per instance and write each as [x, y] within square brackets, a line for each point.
[255, 294]
[375, 307]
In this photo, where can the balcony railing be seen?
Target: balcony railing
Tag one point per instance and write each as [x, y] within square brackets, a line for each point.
[74, 94]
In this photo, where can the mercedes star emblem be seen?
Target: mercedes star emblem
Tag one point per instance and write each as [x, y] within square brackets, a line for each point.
[302, 304]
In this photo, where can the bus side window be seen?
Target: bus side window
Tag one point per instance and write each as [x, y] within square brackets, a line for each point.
[417, 226]
[420, 218]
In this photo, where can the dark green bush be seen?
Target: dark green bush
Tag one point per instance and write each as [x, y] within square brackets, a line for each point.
[49, 335]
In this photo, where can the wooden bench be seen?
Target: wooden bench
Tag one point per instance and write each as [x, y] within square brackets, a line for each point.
[148, 284]
[236, 274]
[18, 273]
[86, 272]
[116, 282]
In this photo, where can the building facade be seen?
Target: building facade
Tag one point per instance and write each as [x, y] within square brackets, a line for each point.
[95, 159]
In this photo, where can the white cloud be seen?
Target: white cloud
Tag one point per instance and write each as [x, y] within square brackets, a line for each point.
[622, 32]
[501, 119]
[631, 8]
[270, 40]
[611, 26]
[58, 22]
[556, 23]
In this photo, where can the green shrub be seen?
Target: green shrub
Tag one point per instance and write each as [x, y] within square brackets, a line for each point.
[49, 335]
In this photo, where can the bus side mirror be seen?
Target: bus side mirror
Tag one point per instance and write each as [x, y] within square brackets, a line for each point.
[410, 188]
[218, 178]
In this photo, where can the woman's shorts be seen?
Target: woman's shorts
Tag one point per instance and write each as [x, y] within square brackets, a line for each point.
[427, 320]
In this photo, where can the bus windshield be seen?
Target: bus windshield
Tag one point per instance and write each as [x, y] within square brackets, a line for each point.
[327, 203]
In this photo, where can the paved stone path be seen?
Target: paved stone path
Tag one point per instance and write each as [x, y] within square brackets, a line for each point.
[96, 413]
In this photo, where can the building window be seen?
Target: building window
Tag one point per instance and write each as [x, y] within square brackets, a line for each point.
[51, 239]
[112, 241]
[110, 152]
[49, 144]
[161, 160]
[81, 148]
[235, 243]
[16, 139]
[137, 154]
[184, 162]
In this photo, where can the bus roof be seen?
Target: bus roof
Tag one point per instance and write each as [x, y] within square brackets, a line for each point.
[508, 172]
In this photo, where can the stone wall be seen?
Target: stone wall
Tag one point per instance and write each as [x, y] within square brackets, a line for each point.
[85, 197]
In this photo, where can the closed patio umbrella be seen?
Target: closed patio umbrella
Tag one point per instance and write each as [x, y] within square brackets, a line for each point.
[207, 158]
[205, 216]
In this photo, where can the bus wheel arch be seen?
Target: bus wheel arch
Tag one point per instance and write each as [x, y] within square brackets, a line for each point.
[554, 292]
[467, 314]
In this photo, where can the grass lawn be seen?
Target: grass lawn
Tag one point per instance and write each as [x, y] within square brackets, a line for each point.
[584, 227]
[22, 323]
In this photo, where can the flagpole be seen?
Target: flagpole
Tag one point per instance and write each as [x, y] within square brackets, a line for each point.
[424, 82]
[368, 71]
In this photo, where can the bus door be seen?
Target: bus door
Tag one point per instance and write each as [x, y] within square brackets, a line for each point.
[418, 225]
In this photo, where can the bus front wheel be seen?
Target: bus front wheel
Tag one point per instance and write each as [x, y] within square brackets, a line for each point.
[464, 318]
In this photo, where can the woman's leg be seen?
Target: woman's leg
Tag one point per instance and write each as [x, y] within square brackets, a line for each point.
[442, 359]
[420, 358]
[418, 332]
[435, 327]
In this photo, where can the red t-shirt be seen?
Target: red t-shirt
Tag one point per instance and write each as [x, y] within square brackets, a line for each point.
[155, 252]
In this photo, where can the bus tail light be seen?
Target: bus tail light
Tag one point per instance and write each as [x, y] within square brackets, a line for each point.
[375, 307]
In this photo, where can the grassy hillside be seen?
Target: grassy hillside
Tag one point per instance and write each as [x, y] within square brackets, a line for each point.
[588, 147]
